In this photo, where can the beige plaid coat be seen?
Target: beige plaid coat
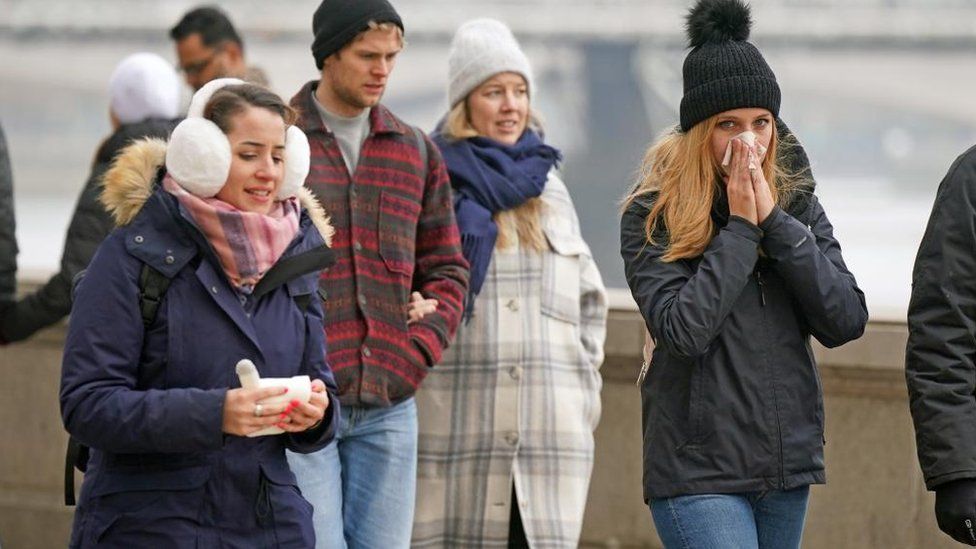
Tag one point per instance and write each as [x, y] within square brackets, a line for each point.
[516, 398]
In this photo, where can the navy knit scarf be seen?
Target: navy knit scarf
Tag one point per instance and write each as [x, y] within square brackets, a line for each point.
[490, 177]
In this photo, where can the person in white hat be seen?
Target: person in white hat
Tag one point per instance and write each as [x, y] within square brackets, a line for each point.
[507, 417]
[144, 101]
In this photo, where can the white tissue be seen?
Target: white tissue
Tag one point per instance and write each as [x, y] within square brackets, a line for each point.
[749, 138]
[299, 388]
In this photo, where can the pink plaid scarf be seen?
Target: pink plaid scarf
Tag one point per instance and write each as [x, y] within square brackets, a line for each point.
[247, 243]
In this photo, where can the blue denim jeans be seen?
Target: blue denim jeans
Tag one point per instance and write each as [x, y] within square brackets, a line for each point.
[767, 520]
[363, 484]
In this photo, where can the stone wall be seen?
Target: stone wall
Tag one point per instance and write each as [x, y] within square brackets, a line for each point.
[874, 498]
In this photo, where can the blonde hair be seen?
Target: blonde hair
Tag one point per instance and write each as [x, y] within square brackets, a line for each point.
[372, 26]
[681, 168]
[386, 26]
[523, 221]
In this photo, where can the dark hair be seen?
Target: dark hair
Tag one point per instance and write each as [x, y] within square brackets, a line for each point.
[232, 100]
[211, 23]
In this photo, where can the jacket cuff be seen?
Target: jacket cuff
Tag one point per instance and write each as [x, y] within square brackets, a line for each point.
[210, 410]
[934, 483]
[772, 220]
[744, 228]
[315, 439]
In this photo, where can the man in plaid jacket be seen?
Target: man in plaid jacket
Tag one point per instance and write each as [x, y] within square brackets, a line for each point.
[394, 297]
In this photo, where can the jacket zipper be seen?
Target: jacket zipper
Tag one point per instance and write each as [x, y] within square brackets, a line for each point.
[779, 425]
[762, 291]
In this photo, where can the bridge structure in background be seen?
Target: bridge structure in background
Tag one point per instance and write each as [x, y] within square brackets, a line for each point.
[610, 72]
[822, 22]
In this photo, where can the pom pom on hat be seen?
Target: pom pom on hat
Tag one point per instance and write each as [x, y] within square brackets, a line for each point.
[718, 21]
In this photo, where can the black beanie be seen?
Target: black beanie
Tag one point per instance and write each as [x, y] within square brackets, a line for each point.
[723, 71]
[337, 22]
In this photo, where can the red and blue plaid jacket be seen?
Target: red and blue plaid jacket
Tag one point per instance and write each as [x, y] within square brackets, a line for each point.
[395, 234]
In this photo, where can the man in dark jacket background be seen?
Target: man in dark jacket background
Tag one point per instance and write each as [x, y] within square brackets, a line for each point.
[393, 299]
[940, 363]
[144, 101]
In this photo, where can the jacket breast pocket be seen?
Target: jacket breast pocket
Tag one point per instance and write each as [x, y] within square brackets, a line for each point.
[397, 232]
[561, 275]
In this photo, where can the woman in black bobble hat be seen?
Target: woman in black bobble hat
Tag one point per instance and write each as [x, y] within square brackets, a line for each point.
[734, 266]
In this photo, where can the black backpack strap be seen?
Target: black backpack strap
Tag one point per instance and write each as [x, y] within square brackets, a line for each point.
[76, 456]
[152, 287]
[303, 301]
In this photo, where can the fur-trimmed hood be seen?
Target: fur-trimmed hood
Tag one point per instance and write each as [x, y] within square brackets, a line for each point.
[130, 182]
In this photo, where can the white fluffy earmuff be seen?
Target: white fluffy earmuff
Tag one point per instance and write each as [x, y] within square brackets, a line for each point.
[298, 161]
[198, 156]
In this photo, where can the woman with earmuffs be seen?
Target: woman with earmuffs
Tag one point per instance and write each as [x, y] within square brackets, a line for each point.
[149, 383]
[734, 266]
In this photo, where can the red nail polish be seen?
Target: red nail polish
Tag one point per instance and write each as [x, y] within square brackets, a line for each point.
[293, 404]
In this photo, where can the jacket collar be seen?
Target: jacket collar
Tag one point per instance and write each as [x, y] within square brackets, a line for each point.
[156, 231]
[381, 120]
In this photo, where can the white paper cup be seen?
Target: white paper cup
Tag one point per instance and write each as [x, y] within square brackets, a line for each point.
[299, 388]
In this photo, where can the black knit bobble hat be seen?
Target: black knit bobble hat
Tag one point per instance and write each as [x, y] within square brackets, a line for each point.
[723, 71]
[337, 22]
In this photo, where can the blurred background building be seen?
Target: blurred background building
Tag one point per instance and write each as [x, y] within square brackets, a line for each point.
[877, 90]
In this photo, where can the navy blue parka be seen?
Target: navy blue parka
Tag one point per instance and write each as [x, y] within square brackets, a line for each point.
[149, 400]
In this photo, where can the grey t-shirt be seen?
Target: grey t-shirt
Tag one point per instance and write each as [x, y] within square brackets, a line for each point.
[351, 132]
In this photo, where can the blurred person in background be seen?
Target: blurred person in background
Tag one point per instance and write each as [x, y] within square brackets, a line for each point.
[148, 376]
[8, 226]
[507, 417]
[940, 362]
[144, 99]
[208, 47]
[734, 266]
[393, 300]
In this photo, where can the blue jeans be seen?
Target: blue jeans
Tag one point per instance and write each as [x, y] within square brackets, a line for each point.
[363, 484]
[767, 520]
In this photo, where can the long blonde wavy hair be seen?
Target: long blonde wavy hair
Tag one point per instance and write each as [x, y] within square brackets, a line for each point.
[524, 220]
[682, 170]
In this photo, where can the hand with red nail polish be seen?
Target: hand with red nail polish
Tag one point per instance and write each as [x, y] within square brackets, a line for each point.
[245, 412]
[303, 416]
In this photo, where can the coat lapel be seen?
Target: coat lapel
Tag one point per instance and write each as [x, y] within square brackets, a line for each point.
[225, 298]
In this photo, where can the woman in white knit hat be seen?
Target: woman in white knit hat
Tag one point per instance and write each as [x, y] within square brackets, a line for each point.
[507, 417]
